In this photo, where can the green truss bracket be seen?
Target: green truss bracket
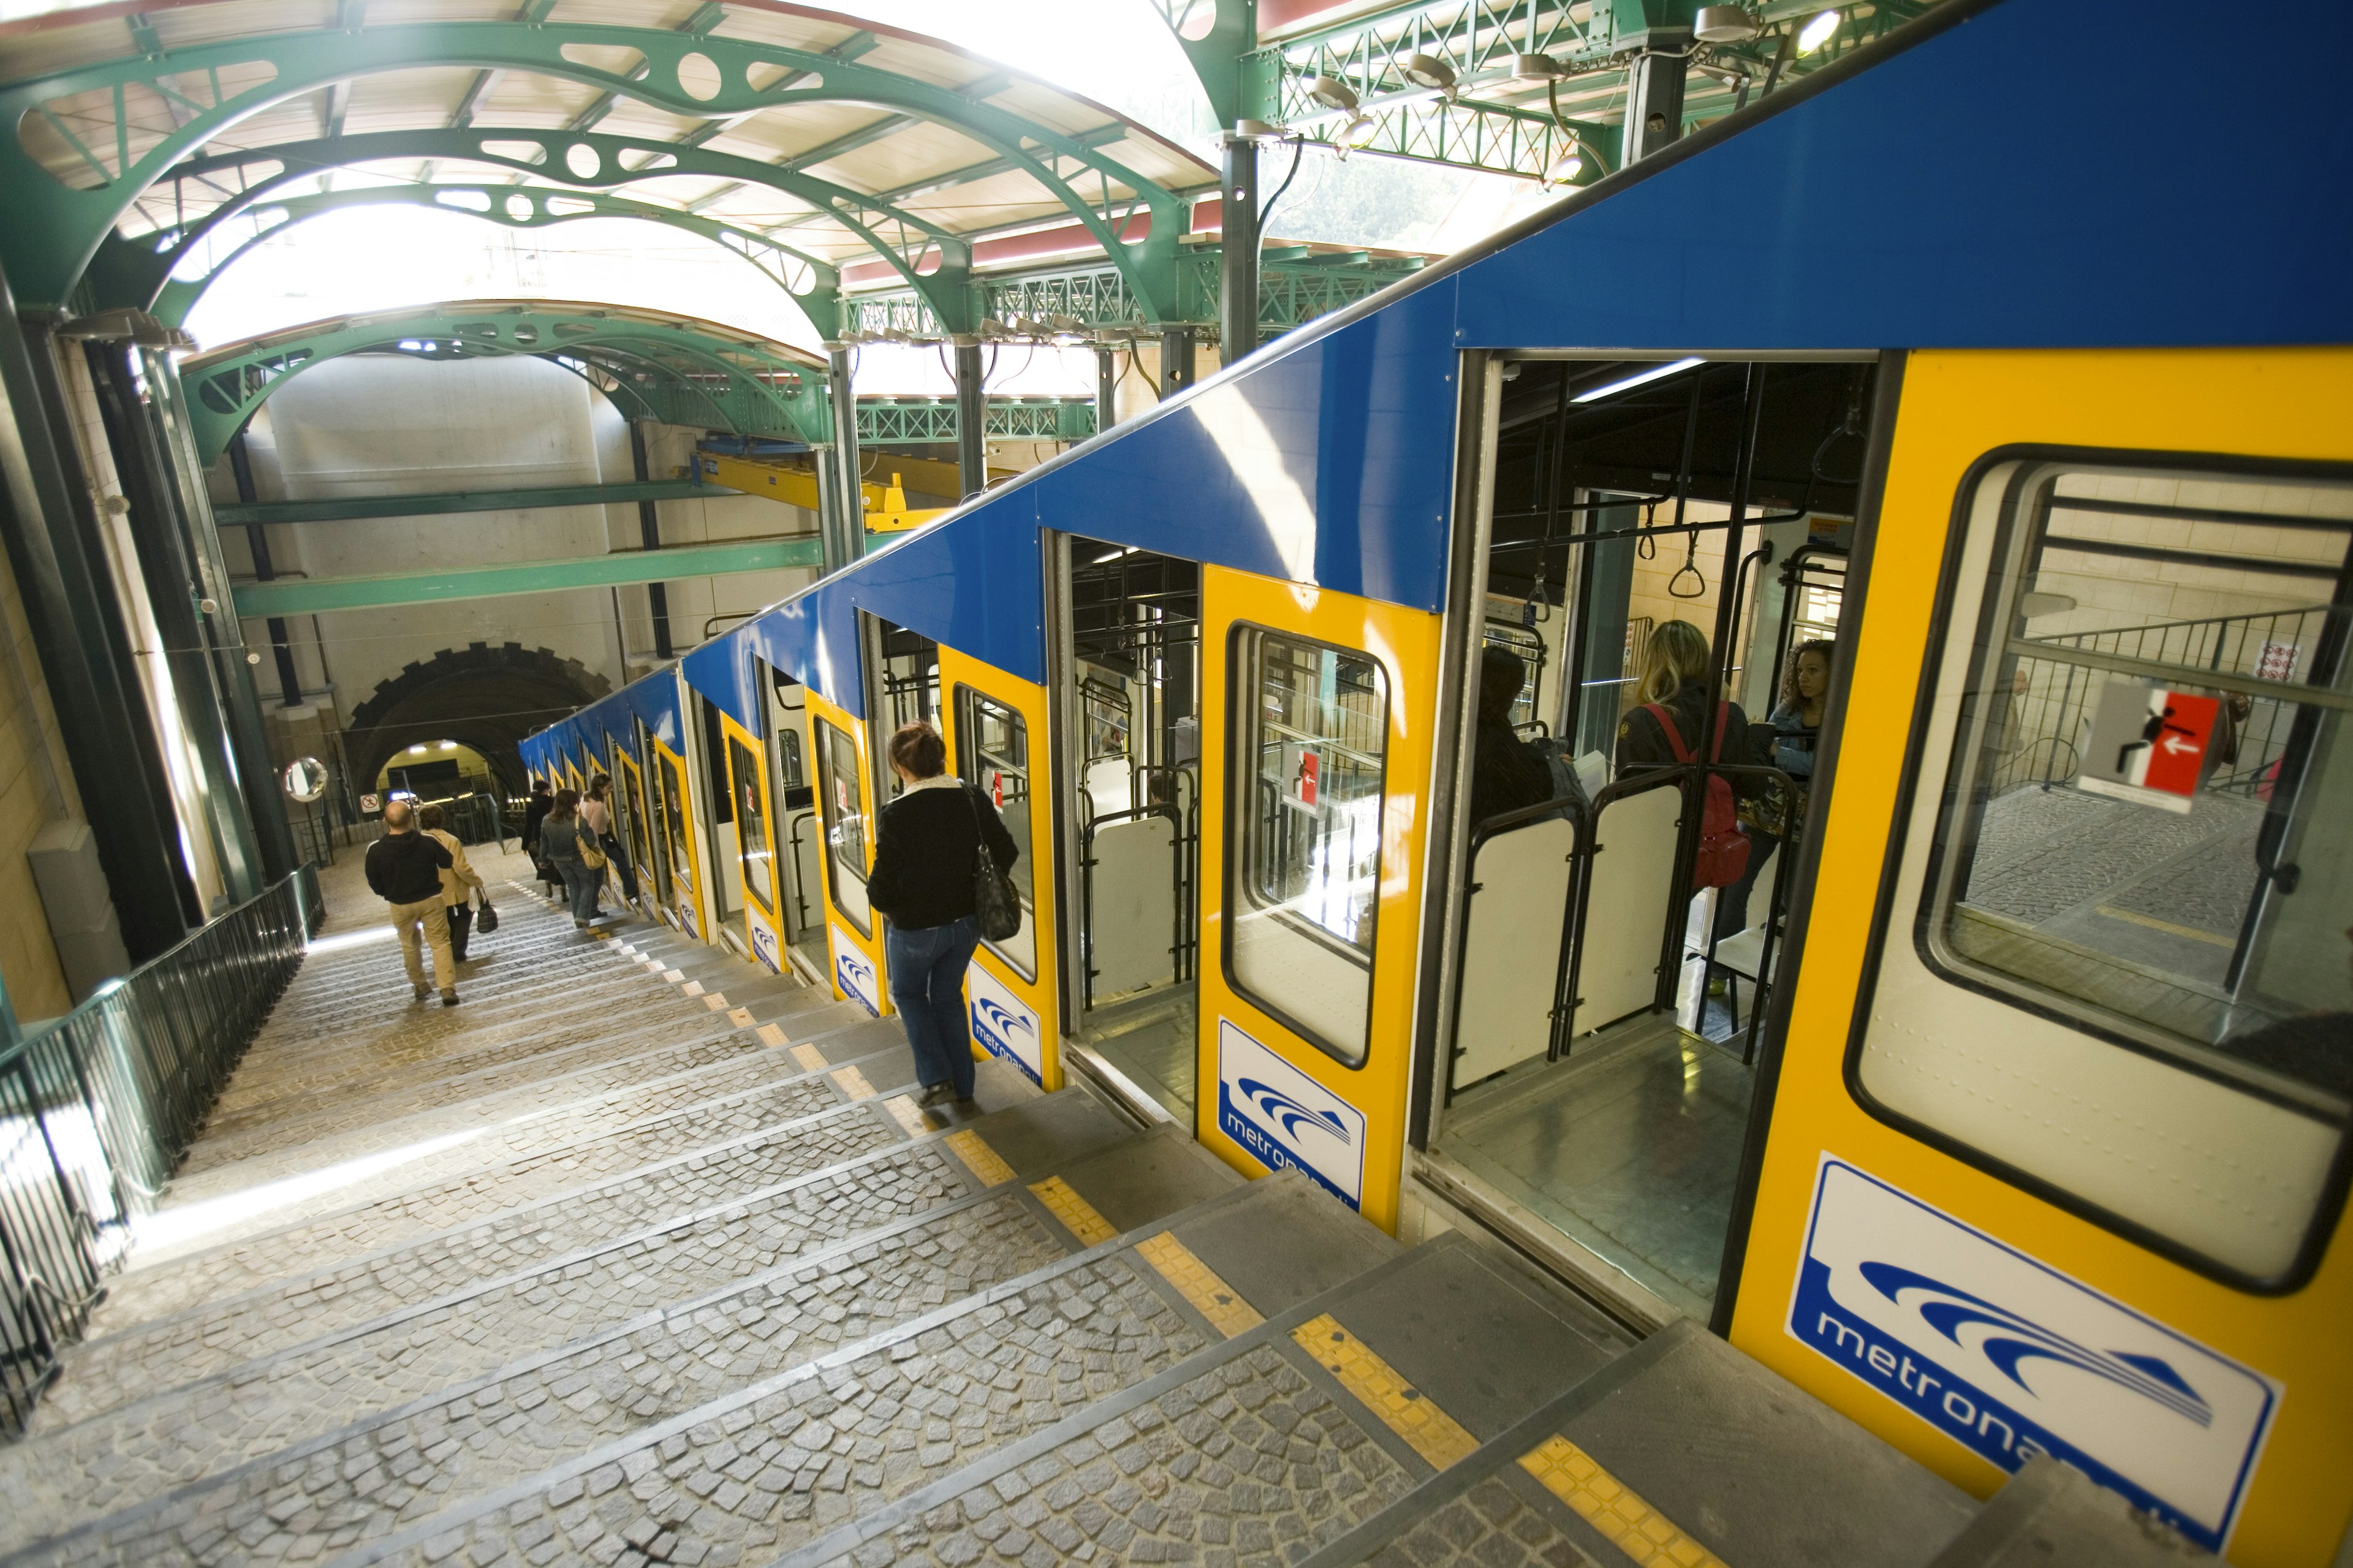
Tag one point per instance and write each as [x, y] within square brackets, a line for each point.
[363, 509]
[319, 596]
[664, 369]
[919, 421]
[56, 225]
[131, 273]
[1221, 56]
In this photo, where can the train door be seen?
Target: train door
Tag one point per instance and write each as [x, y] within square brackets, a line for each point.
[845, 799]
[1315, 724]
[629, 814]
[799, 836]
[689, 885]
[2059, 1150]
[717, 795]
[1623, 806]
[654, 870]
[994, 722]
[1127, 665]
[760, 878]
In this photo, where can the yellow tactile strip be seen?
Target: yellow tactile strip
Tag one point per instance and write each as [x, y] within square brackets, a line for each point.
[740, 1017]
[904, 1111]
[1077, 1215]
[810, 1057]
[853, 1083]
[1434, 1435]
[1608, 1504]
[975, 1151]
[772, 1035]
[1198, 1284]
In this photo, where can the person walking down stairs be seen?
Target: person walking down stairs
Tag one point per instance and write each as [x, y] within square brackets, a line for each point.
[461, 883]
[404, 868]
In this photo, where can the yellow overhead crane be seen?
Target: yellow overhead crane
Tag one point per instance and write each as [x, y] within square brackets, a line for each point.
[793, 480]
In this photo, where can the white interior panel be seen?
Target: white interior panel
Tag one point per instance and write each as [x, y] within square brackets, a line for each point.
[1511, 949]
[1626, 911]
[1133, 889]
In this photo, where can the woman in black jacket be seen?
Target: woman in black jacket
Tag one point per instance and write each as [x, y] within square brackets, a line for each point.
[923, 859]
[1665, 729]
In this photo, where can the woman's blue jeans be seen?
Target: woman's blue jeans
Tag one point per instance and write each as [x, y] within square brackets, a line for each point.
[927, 967]
[583, 885]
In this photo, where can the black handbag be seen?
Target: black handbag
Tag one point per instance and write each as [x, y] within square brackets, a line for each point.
[995, 906]
[487, 921]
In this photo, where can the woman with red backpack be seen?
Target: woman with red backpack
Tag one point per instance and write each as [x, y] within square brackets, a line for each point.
[1664, 731]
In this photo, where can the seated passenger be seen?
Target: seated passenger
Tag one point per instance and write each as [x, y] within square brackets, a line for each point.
[1507, 773]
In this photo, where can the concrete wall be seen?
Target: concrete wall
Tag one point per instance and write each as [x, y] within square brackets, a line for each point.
[391, 424]
[36, 788]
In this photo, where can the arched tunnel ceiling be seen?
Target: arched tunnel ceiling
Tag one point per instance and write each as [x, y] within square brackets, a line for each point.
[127, 131]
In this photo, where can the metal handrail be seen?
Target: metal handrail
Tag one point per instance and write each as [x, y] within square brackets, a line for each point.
[96, 1109]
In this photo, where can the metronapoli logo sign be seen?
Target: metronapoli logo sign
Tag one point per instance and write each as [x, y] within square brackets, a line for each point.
[2011, 1359]
[853, 971]
[1004, 1027]
[1286, 1119]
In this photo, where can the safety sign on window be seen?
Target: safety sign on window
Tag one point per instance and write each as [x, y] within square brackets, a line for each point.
[2148, 744]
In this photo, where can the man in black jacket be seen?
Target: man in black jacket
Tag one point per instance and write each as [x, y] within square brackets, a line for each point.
[923, 861]
[404, 868]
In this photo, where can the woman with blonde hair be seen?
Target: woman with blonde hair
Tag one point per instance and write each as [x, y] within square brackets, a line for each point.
[1664, 732]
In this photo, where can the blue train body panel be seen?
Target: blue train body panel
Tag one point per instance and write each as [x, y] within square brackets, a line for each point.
[1988, 179]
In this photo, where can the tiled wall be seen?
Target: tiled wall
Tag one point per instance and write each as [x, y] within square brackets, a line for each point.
[37, 787]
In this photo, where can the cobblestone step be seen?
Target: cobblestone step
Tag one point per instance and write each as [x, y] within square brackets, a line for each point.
[227, 1331]
[1683, 1451]
[373, 980]
[362, 1222]
[502, 1425]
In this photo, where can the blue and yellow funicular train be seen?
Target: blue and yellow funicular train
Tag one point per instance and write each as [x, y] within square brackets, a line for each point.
[2003, 454]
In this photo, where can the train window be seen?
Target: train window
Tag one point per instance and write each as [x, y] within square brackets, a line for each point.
[992, 755]
[673, 788]
[751, 826]
[845, 824]
[1310, 735]
[2144, 843]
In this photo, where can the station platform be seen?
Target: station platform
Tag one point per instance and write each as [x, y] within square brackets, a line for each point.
[642, 1255]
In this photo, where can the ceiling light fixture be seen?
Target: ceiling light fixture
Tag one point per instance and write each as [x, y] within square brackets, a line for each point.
[1566, 167]
[1817, 32]
[1360, 131]
[1330, 92]
[1537, 67]
[1640, 378]
[1427, 70]
[1723, 24]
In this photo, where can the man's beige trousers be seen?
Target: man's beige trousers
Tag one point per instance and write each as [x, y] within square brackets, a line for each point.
[428, 912]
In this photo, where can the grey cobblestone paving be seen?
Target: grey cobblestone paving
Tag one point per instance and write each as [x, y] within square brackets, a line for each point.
[117, 1369]
[415, 1462]
[2041, 852]
[528, 1134]
[513, 976]
[351, 1130]
[1490, 1526]
[365, 1226]
[1247, 1464]
[767, 1474]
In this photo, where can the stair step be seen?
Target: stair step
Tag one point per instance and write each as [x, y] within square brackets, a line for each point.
[514, 1416]
[2050, 1514]
[1684, 1451]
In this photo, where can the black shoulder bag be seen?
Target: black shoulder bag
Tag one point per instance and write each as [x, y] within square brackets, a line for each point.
[995, 906]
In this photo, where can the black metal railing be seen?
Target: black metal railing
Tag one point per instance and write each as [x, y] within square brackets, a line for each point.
[2048, 708]
[96, 1109]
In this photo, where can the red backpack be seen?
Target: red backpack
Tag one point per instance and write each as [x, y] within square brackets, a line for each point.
[1722, 848]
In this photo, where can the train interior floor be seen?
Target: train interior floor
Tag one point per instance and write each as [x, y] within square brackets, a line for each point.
[641, 1254]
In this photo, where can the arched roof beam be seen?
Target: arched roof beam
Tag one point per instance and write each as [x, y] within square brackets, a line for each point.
[150, 273]
[947, 289]
[772, 394]
[58, 226]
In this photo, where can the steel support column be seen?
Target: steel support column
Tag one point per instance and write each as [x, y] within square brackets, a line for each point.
[1106, 390]
[972, 419]
[843, 529]
[1654, 94]
[100, 712]
[257, 542]
[173, 588]
[1237, 280]
[650, 538]
[1176, 361]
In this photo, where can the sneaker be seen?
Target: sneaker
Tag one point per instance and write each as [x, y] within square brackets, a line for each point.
[580, 925]
[935, 1093]
[423, 992]
[449, 998]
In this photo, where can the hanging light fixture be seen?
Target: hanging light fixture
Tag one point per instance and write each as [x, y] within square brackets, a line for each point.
[1537, 67]
[1330, 92]
[1427, 70]
[1723, 24]
[1817, 32]
[1360, 131]
[1566, 167]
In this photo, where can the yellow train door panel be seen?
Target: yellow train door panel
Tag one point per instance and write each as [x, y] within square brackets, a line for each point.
[994, 724]
[672, 776]
[1316, 715]
[747, 778]
[2058, 1150]
[853, 930]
